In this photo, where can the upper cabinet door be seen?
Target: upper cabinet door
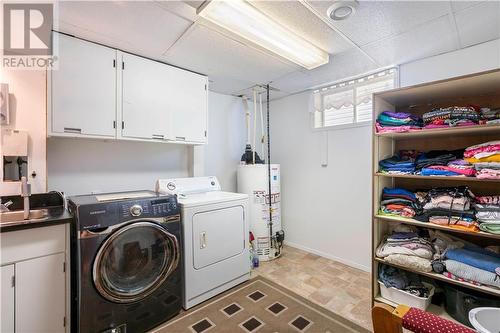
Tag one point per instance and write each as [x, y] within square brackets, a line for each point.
[189, 106]
[146, 94]
[83, 93]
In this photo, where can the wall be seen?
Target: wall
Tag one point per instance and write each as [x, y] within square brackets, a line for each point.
[474, 59]
[27, 112]
[327, 210]
[78, 166]
[227, 138]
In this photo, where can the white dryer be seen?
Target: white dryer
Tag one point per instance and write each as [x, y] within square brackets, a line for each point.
[215, 236]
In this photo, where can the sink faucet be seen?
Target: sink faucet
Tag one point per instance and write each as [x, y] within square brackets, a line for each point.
[25, 193]
[4, 207]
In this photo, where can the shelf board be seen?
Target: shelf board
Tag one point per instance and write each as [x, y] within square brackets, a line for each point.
[435, 132]
[441, 277]
[435, 226]
[450, 178]
[434, 309]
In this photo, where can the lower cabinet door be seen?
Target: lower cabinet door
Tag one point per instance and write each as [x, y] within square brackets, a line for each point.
[7, 302]
[40, 294]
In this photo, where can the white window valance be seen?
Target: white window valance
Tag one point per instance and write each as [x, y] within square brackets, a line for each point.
[350, 101]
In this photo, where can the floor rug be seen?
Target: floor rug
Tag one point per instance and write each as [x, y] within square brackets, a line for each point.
[259, 305]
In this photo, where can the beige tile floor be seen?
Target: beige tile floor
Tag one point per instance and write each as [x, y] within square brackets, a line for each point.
[339, 288]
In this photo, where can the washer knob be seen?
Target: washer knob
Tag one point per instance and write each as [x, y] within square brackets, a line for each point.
[136, 210]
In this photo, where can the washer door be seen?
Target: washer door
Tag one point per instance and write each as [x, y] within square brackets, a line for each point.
[134, 261]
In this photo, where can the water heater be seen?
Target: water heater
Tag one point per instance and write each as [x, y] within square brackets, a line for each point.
[253, 180]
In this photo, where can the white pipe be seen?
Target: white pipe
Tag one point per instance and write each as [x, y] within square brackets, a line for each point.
[262, 133]
[247, 117]
[254, 123]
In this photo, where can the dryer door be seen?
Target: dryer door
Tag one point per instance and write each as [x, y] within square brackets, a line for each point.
[217, 235]
[135, 260]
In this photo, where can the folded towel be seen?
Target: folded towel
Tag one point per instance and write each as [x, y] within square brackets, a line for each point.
[482, 261]
[471, 273]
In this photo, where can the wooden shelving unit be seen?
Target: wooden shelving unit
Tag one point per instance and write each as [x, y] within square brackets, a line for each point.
[446, 178]
[396, 219]
[478, 89]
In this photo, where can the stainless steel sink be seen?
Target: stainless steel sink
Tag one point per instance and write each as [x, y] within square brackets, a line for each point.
[18, 215]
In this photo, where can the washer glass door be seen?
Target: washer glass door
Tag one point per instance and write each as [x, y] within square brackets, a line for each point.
[134, 261]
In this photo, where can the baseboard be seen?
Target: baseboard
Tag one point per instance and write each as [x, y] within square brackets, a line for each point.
[329, 256]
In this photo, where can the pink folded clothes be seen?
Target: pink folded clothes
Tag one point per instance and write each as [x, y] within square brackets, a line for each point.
[488, 174]
[465, 172]
[395, 129]
[489, 199]
[482, 149]
[454, 277]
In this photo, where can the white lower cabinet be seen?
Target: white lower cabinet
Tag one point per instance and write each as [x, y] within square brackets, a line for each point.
[40, 294]
[7, 304]
[34, 281]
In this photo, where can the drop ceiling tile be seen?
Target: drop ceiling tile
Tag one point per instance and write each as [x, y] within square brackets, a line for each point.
[207, 51]
[460, 5]
[478, 24]
[432, 38]
[348, 64]
[226, 85]
[138, 27]
[297, 18]
[375, 20]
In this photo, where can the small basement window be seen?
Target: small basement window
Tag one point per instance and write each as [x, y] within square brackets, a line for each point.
[350, 103]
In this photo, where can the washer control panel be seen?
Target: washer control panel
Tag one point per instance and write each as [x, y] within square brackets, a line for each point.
[136, 210]
[159, 207]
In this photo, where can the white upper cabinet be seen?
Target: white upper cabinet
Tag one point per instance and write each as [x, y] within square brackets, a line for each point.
[104, 93]
[189, 106]
[146, 95]
[83, 89]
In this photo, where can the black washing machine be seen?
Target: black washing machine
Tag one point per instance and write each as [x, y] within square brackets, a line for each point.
[126, 274]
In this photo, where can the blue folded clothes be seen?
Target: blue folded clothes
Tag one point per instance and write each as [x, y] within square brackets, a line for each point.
[396, 163]
[435, 172]
[482, 250]
[482, 261]
[398, 192]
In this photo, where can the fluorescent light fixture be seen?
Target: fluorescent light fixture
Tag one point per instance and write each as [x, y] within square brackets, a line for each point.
[241, 18]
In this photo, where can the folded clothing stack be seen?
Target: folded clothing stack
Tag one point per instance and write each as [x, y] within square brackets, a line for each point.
[399, 202]
[486, 159]
[393, 277]
[455, 168]
[490, 116]
[389, 121]
[402, 163]
[488, 213]
[448, 206]
[437, 157]
[451, 116]
[405, 247]
[474, 264]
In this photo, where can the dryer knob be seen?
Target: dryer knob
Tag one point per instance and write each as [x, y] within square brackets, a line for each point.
[136, 210]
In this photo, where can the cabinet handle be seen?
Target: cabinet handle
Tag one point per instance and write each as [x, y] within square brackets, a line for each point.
[114, 123]
[114, 63]
[72, 130]
[203, 240]
[158, 136]
[180, 138]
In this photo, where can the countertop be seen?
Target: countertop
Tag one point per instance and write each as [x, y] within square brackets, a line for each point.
[55, 215]
[52, 202]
